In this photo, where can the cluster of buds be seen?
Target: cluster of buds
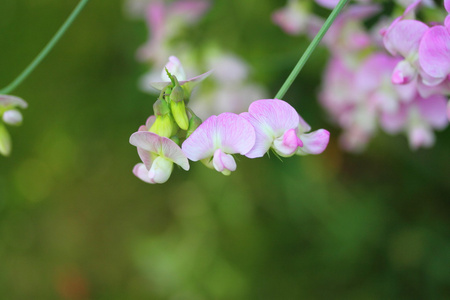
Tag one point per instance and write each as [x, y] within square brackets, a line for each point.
[175, 135]
[10, 115]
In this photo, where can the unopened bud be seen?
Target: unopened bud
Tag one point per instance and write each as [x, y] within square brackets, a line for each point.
[179, 114]
[5, 141]
[177, 94]
[164, 126]
[194, 122]
[161, 108]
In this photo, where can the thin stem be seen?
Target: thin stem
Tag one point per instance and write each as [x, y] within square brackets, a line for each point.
[8, 89]
[310, 49]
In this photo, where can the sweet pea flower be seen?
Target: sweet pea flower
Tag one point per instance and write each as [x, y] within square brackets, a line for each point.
[11, 116]
[292, 18]
[165, 21]
[279, 126]
[158, 155]
[434, 53]
[418, 119]
[218, 137]
[175, 68]
[347, 36]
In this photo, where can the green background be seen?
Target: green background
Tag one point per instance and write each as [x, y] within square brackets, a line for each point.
[76, 224]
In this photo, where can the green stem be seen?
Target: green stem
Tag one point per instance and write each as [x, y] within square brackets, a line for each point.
[310, 49]
[8, 89]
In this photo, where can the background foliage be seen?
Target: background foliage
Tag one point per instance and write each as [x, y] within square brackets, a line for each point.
[76, 224]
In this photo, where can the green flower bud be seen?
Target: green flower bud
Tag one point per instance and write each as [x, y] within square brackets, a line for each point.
[194, 122]
[179, 114]
[177, 94]
[164, 126]
[5, 141]
[161, 108]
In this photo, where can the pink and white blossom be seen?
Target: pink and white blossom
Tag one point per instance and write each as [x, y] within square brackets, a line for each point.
[218, 137]
[278, 125]
[158, 155]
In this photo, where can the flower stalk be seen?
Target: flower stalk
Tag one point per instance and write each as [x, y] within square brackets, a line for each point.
[312, 46]
[29, 69]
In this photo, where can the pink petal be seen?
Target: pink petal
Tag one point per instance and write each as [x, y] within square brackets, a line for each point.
[394, 122]
[189, 10]
[271, 118]
[314, 143]
[420, 137]
[447, 5]
[263, 140]
[146, 157]
[228, 131]
[200, 144]
[223, 161]
[235, 133]
[7, 100]
[153, 143]
[172, 151]
[288, 143]
[188, 84]
[328, 3]
[175, 68]
[141, 172]
[403, 73]
[148, 141]
[434, 52]
[404, 38]
[433, 110]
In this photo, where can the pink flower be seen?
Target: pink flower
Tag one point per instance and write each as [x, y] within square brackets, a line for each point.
[403, 39]
[434, 53]
[218, 137]
[292, 18]
[347, 35]
[278, 126]
[418, 119]
[165, 21]
[158, 155]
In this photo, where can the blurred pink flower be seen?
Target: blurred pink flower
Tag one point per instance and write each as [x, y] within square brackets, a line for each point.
[165, 21]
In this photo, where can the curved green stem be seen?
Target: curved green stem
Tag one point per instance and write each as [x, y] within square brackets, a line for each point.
[8, 89]
[310, 49]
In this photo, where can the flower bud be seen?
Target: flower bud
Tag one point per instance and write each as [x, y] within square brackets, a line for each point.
[5, 141]
[164, 126]
[179, 114]
[161, 108]
[194, 122]
[177, 94]
[12, 117]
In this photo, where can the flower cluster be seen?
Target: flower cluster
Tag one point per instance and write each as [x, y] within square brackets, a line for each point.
[394, 76]
[9, 114]
[268, 124]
